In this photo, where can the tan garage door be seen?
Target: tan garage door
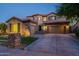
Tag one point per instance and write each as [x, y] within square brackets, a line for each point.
[57, 29]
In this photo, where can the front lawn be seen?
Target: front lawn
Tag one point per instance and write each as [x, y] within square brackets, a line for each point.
[28, 40]
[3, 39]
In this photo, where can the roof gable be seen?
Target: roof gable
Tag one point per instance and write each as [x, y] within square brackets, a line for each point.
[14, 18]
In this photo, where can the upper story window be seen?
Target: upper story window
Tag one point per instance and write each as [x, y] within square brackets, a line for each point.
[52, 17]
[39, 18]
[44, 19]
[35, 18]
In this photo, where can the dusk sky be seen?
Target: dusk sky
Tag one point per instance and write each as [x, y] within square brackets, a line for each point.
[23, 10]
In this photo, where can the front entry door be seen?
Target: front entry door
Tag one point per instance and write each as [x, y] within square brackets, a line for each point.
[40, 28]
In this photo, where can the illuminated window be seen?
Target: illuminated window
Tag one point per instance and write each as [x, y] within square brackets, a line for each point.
[14, 28]
[44, 28]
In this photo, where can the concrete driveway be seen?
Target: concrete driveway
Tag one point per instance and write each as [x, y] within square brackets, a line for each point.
[56, 44]
[47, 45]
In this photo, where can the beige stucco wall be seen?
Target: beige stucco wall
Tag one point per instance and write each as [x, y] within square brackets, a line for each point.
[33, 28]
[25, 30]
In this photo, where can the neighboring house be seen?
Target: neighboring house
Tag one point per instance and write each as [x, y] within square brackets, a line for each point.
[47, 23]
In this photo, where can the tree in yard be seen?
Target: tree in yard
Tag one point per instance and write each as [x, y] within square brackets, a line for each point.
[3, 27]
[70, 10]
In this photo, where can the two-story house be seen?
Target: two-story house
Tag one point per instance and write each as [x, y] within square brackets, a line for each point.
[47, 23]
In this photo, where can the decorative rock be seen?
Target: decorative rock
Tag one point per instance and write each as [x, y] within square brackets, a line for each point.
[14, 40]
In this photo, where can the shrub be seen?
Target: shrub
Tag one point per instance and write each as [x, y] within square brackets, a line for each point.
[3, 38]
[27, 40]
[77, 32]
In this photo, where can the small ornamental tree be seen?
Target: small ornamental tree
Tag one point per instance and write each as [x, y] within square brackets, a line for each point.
[3, 27]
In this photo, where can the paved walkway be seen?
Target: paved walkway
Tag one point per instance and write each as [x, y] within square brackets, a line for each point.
[47, 45]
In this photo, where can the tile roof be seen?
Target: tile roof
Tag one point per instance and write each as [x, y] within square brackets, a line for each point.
[39, 15]
[28, 20]
[62, 22]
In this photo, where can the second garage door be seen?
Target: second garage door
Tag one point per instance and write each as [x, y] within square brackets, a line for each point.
[56, 29]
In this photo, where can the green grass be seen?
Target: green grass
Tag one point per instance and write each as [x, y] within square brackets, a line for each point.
[28, 40]
[3, 39]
